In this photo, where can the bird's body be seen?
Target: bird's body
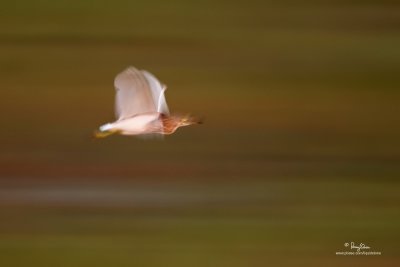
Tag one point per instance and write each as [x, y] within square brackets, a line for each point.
[141, 108]
[139, 124]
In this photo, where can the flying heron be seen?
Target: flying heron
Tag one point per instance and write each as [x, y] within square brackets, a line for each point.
[140, 107]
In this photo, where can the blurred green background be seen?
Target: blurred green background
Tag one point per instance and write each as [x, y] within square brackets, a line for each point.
[299, 154]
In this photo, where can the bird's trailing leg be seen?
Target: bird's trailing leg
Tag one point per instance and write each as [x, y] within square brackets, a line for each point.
[103, 134]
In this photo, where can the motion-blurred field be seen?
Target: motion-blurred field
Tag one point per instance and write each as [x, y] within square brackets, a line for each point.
[299, 153]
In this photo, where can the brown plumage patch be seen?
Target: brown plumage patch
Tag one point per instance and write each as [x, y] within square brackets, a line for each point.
[170, 123]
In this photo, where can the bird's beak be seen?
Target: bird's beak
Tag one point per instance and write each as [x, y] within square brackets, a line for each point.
[191, 120]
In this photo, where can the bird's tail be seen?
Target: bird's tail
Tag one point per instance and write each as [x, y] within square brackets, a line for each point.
[104, 131]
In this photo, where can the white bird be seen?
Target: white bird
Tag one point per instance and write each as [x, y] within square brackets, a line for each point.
[140, 107]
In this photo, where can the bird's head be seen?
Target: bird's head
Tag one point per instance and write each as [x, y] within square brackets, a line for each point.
[172, 123]
[188, 120]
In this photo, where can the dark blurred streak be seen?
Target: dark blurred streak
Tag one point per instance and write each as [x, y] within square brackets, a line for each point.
[98, 40]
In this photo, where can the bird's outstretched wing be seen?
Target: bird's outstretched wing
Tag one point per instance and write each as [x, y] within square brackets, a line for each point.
[133, 94]
[137, 92]
[158, 91]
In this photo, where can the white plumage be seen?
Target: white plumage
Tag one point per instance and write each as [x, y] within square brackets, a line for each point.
[138, 92]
